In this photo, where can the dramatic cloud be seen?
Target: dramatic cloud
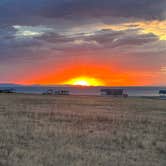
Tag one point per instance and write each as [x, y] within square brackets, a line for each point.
[157, 28]
[128, 36]
[146, 9]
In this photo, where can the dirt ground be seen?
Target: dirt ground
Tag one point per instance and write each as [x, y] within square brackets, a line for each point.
[41, 130]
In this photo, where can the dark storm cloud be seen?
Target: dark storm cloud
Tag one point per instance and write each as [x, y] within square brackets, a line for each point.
[103, 39]
[120, 38]
[146, 9]
[25, 12]
[19, 11]
[12, 47]
[100, 39]
[55, 38]
[8, 39]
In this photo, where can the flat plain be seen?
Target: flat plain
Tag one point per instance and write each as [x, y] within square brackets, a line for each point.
[42, 130]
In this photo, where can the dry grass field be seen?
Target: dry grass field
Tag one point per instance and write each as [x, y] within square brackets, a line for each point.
[38, 130]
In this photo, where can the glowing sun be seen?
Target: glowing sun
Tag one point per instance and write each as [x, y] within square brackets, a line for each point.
[84, 81]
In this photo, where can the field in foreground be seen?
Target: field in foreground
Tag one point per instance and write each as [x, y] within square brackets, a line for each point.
[38, 130]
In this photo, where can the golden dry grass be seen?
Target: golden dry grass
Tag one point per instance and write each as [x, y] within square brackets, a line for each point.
[38, 130]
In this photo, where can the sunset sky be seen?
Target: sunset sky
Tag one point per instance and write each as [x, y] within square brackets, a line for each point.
[88, 42]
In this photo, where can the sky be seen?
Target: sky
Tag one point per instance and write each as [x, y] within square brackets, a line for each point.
[108, 42]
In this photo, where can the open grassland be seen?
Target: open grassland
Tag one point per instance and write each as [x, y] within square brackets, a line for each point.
[38, 130]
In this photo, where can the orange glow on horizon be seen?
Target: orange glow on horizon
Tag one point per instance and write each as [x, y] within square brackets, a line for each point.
[90, 74]
[84, 81]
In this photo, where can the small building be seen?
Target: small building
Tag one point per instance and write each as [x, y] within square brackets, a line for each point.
[112, 92]
[162, 94]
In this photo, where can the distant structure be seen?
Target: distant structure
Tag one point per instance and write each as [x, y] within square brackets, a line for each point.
[56, 92]
[7, 90]
[162, 94]
[113, 92]
[50, 92]
[61, 92]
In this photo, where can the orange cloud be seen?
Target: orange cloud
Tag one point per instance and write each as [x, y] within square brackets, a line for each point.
[156, 27]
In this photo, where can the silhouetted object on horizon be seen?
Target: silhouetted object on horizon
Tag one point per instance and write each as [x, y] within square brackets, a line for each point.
[61, 92]
[7, 90]
[125, 95]
[162, 94]
[56, 92]
[113, 92]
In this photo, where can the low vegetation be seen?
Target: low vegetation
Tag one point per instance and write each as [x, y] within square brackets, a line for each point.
[38, 130]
